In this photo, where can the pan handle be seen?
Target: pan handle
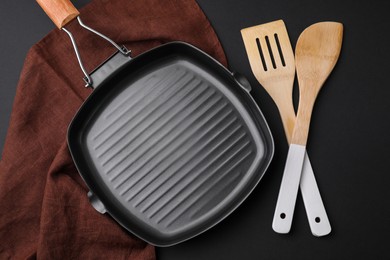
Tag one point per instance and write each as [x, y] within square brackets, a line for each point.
[61, 12]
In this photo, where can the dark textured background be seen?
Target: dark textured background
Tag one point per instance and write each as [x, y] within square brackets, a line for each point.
[349, 143]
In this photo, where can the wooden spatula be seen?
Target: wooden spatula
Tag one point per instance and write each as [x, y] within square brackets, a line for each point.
[272, 61]
[316, 54]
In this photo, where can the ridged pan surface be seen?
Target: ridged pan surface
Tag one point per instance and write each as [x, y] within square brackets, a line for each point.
[170, 144]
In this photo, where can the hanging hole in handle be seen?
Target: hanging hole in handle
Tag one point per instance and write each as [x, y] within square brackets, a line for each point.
[283, 216]
[317, 219]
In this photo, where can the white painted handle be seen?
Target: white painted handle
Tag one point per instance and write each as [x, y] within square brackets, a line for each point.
[289, 189]
[315, 210]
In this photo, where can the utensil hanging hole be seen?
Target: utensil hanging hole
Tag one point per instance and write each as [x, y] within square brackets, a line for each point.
[261, 54]
[317, 220]
[283, 216]
[279, 49]
[270, 52]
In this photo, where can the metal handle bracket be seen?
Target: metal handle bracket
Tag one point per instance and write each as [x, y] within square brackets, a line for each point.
[121, 49]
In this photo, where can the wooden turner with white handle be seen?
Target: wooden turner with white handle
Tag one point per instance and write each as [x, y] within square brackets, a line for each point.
[272, 61]
[316, 53]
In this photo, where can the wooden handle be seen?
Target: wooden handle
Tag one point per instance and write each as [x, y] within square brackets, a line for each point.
[283, 101]
[61, 12]
[305, 109]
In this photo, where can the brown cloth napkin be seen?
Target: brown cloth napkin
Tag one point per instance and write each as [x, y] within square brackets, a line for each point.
[44, 210]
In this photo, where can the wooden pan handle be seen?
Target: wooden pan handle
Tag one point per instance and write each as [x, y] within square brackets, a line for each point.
[61, 12]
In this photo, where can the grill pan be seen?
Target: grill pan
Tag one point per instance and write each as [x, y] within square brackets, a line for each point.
[169, 143]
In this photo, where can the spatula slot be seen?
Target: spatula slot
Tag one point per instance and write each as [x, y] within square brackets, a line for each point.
[270, 52]
[261, 54]
[279, 49]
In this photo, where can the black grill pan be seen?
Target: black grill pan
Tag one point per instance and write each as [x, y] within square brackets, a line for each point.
[170, 144]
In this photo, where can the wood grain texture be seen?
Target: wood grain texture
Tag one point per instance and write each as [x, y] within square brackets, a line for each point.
[61, 12]
[316, 54]
[276, 77]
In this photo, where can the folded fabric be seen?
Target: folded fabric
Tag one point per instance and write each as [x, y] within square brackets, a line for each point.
[45, 212]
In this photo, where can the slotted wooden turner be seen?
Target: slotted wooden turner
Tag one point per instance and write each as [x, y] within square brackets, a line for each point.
[272, 61]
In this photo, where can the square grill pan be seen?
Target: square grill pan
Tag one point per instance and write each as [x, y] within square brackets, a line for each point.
[170, 144]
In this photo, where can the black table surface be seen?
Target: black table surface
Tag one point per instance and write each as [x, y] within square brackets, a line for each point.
[349, 142]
